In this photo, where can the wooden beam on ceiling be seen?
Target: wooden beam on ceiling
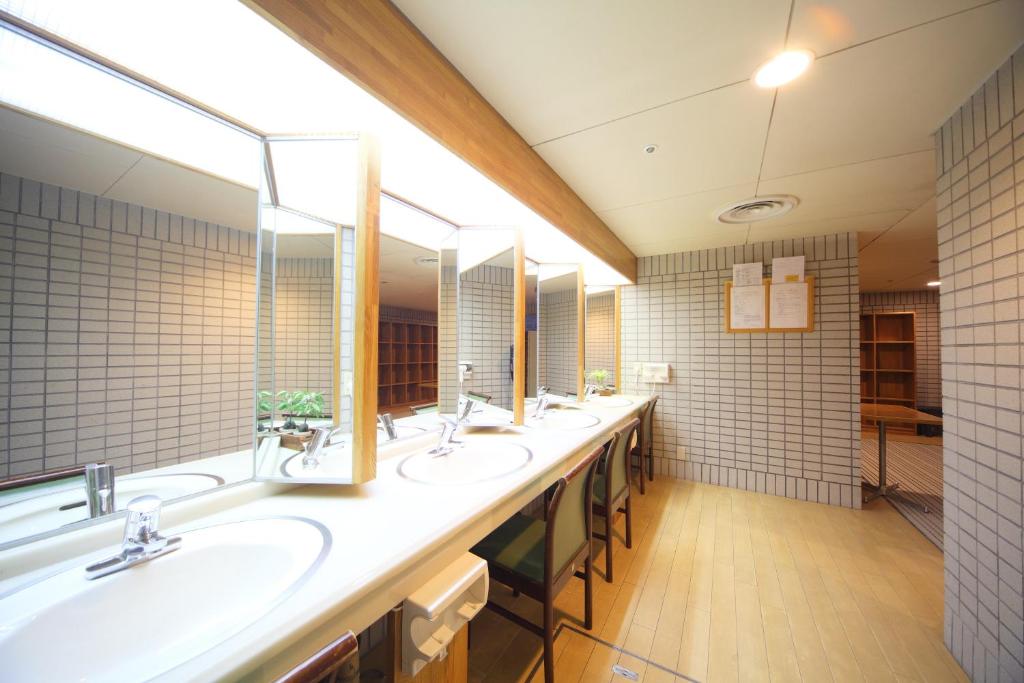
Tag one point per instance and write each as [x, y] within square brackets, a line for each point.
[372, 43]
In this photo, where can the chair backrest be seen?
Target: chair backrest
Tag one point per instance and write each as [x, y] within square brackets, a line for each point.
[616, 461]
[338, 662]
[425, 408]
[479, 397]
[646, 442]
[569, 515]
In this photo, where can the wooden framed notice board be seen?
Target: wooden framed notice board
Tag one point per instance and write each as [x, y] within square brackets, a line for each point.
[753, 314]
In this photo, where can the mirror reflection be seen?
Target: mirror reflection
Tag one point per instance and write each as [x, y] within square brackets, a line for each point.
[599, 353]
[486, 321]
[558, 329]
[306, 361]
[128, 304]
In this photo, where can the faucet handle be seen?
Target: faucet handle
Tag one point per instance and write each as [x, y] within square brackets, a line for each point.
[142, 526]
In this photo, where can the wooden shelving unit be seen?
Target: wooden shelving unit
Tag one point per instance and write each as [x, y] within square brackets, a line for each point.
[406, 365]
[888, 372]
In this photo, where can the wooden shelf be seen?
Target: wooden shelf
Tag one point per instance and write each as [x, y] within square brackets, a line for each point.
[407, 364]
[887, 361]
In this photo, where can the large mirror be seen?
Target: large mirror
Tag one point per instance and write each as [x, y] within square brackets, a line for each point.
[128, 278]
[312, 224]
[486, 293]
[601, 346]
[559, 329]
[411, 322]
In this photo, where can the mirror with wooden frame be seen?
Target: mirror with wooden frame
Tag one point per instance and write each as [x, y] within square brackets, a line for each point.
[559, 328]
[601, 339]
[317, 332]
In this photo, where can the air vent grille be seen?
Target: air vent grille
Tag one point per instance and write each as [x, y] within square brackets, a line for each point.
[757, 209]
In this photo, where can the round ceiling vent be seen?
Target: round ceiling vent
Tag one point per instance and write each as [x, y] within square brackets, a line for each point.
[757, 209]
[426, 260]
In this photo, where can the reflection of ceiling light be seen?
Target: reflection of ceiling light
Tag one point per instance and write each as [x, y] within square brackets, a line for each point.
[782, 68]
[429, 261]
[757, 209]
[935, 283]
[651, 149]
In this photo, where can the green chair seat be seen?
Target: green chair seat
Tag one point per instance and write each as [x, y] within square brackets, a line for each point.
[516, 545]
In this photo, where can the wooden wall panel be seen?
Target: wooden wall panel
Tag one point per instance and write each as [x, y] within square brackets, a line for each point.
[372, 43]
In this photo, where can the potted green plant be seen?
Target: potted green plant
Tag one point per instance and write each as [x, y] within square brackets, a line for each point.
[264, 408]
[598, 378]
[301, 404]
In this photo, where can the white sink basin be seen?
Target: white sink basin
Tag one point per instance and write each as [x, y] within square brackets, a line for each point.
[610, 401]
[403, 431]
[146, 620]
[334, 464]
[469, 463]
[564, 419]
[38, 510]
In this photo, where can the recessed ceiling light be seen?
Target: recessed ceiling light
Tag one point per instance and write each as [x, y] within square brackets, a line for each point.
[650, 149]
[782, 68]
[935, 283]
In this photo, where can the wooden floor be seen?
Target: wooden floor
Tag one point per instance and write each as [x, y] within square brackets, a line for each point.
[917, 468]
[726, 585]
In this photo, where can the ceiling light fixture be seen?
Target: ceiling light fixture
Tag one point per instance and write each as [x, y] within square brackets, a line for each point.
[935, 283]
[651, 149]
[782, 68]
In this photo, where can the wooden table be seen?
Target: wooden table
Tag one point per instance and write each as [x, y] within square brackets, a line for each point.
[884, 414]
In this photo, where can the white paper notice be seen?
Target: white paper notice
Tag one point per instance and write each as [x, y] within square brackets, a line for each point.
[746, 310]
[788, 305]
[788, 269]
[747, 274]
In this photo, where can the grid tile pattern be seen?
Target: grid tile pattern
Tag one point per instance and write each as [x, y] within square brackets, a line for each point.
[775, 413]
[925, 305]
[600, 338]
[485, 331]
[980, 186]
[557, 342]
[303, 359]
[127, 333]
[447, 340]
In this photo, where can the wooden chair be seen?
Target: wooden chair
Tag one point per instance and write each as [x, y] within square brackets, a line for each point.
[338, 662]
[612, 490]
[425, 408]
[645, 443]
[538, 558]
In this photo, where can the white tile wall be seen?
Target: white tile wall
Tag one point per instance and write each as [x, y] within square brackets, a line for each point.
[485, 331]
[777, 413]
[600, 334]
[303, 359]
[127, 333]
[980, 171]
[557, 341]
[447, 339]
[925, 305]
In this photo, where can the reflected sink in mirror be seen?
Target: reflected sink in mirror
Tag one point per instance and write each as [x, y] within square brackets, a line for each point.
[50, 506]
[610, 401]
[128, 626]
[564, 419]
[468, 463]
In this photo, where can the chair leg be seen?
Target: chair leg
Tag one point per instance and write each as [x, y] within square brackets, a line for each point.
[650, 466]
[608, 545]
[629, 519]
[588, 592]
[549, 636]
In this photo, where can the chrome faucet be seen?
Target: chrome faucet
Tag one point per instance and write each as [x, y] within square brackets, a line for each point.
[385, 420]
[450, 426]
[99, 489]
[589, 390]
[141, 541]
[542, 402]
[314, 449]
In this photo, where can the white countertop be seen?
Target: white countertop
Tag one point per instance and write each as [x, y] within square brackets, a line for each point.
[389, 537]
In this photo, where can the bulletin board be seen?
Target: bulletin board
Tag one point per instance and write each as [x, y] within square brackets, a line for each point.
[808, 283]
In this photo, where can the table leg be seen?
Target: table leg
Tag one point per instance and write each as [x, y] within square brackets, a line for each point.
[884, 489]
[881, 458]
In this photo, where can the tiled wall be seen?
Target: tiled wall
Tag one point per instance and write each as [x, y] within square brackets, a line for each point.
[557, 341]
[485, 331]
[600, 329]
[303, 359]
[447, 336]
[925, 305]
[777, 413]
[980, 170]
[127, 333]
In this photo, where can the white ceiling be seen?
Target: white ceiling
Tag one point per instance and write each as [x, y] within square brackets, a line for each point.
[51, 153]
[589, 84]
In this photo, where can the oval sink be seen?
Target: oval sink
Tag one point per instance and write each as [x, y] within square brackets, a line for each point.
[43, 510]
[335, 464]
[469, 463]
[128, 626]
[402, 431]
[610, 401]
[564, 419]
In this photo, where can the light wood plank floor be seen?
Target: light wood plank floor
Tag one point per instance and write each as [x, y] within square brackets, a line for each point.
[726, 585]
